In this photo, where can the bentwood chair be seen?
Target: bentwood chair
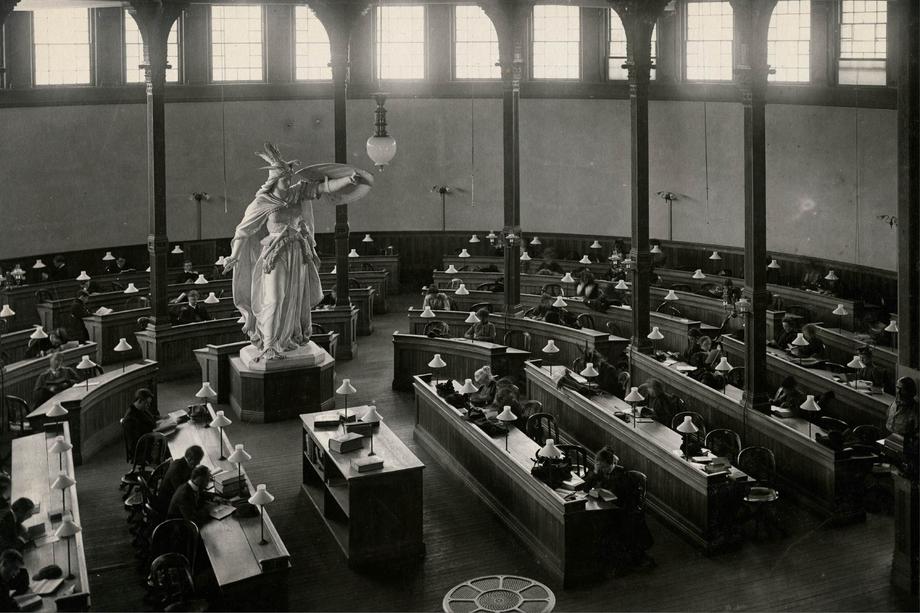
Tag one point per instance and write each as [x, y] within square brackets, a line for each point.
[541, 426]
[578, 456]
[761, 497]
[724, 443]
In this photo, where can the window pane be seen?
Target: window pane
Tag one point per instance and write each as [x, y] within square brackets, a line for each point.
[62, 46]
[710, 34]
[616, 49]
[475, 44]
[134, 53]
[556, 41]
[400, 42]
[788, 41]
[863, 42]
[236, 43]
[311, 47]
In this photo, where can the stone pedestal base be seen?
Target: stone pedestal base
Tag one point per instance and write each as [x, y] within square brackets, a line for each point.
[276, 394]
[308, 355]
[905, 566]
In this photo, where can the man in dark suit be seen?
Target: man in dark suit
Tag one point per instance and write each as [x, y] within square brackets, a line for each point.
[194, 310]
[11, 575]
[140, 419]
[189, 501]
[12, 533]
[179, 471]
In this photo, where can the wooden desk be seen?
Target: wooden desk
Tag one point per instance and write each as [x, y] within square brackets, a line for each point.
[378, 279]
[34, 469]
[362, 298]
[701, 506]
[572, 342]
[19, 378]
[412, 352]
[480, 261]
[374, 516]
[471, 279]
[239, 562]
[842, 345]
[96, 407]
[214, 361]
[816, 475]
[389, 263]
[173, 347]
[13, 345]
[854, 406]
[560, 533]
[55, 313]
[344, 322]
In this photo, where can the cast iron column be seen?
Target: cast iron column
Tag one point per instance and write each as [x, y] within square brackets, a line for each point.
[6, 7]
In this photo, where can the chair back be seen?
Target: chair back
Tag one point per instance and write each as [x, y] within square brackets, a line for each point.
[623, 380]
[578, 456]
[16, 411]
[724, 443]
[317, 329]
[171, 577]
[438, 329]
[710, 289]
[156, 477]
[509, 337]
[695, 417]
[668, 309]
[586, 320]
[832, 423]
[456, 282]
[735, 377]
[493, 286]
[758, 463]
[175, 536]
[612, 329]
[868, 434]
[531, 407]
[541, 426]
[151, 450]
[482, 305]
[553, 289]
[681, 287]
[639, 481]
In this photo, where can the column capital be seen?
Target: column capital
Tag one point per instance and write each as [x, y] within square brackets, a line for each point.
[510, 20]
[752, 25]
[6, 7]
[340, 19]
[639, 18]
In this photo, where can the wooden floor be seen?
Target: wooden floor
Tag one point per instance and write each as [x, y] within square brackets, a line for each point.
[815, 568]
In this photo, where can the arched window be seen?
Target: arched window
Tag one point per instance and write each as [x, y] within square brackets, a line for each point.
[62, 46]
[311, 47]
[616, 48]
[710, 35]
[134, 52]
[789, 41]
[236, 42]
[863, 42]
[556, 41]
[475, 44]
[400, 42]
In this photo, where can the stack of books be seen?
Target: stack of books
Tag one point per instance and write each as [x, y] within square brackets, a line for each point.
[229, 484]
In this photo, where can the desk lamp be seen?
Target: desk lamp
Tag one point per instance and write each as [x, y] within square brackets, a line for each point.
[840, 311]
[536, 242]
[239, 456]
[686, 428]
[715, 256]
[38, 265]
[60, 447]
[655, 248]
[451, 270]
[596, 244]
[799, 341]
[463, 253]
[221, 261]
[83, 276]
[507, 417]
[857, 364]
[108, 257]
[345, 389]
[723, 367]
[584, 260]
[671, 296]
[589, 372]
[525, 257]
[201, 280]
[260, 499]
[427, 313]
[367, 240]
[38, 334]
[468, 388]
[131, 289]
[568, 278]
[88, 365]
[353, 253]
[211, 299]
[461, 290]
[549, 450]
[559, 302]
[6, 312]
[550, 349]
[812, 406]
[373, 417]
[698, 274]
[472, 320]
[220, 422]
[436, 363]
[205, 392]
[655, 335]
[892, 328]
[474, 239]
[123, 347]
[62, 483]
[177, 250]
[57, 410]
[632, 398]
[831, 276]
[773, 265]
[67, 530]
[335, 270]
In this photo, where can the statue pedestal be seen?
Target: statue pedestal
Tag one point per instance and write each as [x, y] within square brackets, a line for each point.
[273, 390]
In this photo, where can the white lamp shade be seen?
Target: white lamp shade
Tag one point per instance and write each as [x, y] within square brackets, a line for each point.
[472, 319]
[239, 455]
[468, 387]
[507, 415]
[177, 250]
[353, 253]
[723, 365]
[550, 347]
[634, 395]
[38, 333]
[856, 363]
[559, 302]
[451, 270]
[6, 311]
[474, 239]
[346, 387]
[86, 363]
[568, 278]
[698, 274]
[122, 345]
[549, 450]
[334, 270]
[511, 236]
[773, 265]
[687, 426]
[464, 253]
[381, 150]
[201, 280]
[621, 285]
[799, 340]
[206, 391]
[584, 260]
[367, 239]
[437, 362]
[60, 445]
[491, 235]
[536, 241]
[427, 313]
[655, 334]
[56, 410]
[39, 264]
[220, 261]
[840, 310]
[108, 257]
[220, 420]
[891, 327]
[83, 276]
[131, 289]
[831, 276]
[589, 370]
[212, 298]
[372, 416]
[525, 257]
[148, 269]
[655, 249]
[614, 257]
[810, 404]
[261, 497]
[462, 291]
[715, 256]
[67, 529]
[671, 295]
[62, 482]
[596, 245]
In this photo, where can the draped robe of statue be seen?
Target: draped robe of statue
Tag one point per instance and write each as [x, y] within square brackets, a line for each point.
[276, 280]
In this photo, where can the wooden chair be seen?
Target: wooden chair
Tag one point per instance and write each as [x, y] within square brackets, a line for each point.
[868, 434]
[531, 407]
[171, 585]
[509, 337]
[623, 379]
[681, 287]
[436, 329]
[695, 417]
[832, 423]
[668, 309]
[586, 320]
[17, 410]
[149, 452]
[612, 329]
[455, 283]
[709, 290]
[578, 456]
[553, 289]
[735, 377]
[317, 329]
[639, 480]
[493, 286]
[482, 305]
[175, 536]
[724, 443]
[541, 426]
[761, 496]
